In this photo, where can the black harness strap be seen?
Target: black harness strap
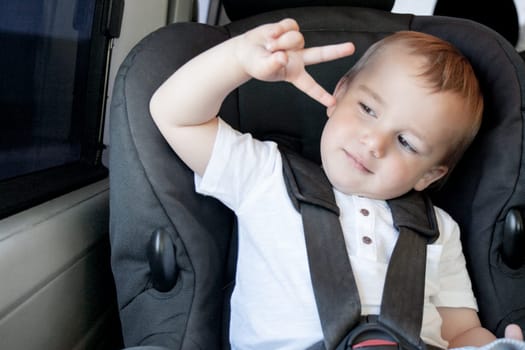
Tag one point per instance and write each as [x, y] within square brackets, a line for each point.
[403, 293]
[327, 256]
[335, 290]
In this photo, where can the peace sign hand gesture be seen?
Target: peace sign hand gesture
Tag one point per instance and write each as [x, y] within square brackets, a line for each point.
[275, 52]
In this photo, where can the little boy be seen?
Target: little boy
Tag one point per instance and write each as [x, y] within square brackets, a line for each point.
[398, 121]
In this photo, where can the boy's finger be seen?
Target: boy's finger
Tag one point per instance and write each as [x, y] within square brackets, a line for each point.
[283, 26]
[309, 86]
[513, 331]
[326, 53]
[287, 41]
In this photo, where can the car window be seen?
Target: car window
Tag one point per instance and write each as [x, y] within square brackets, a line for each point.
[52, 90]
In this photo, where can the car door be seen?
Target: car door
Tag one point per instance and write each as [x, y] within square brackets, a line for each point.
[57, 64]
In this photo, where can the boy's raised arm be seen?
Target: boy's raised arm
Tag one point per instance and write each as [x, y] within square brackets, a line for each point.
[186, 105]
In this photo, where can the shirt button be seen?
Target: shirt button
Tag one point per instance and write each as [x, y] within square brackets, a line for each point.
[367, 240]
[364, 212]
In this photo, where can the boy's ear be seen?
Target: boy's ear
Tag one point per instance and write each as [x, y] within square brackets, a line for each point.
[431, 176]
[340, 90]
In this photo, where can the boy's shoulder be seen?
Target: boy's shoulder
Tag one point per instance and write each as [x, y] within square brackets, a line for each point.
[448, 227]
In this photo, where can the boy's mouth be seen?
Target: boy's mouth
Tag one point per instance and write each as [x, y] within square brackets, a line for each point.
[357, 163]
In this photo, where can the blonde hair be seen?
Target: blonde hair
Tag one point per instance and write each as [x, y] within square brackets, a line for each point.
[445, 69]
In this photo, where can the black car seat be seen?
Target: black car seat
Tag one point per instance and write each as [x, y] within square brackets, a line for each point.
[501, 16]
[173, 251]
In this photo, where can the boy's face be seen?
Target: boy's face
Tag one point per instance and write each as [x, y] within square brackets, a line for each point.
[388, 132]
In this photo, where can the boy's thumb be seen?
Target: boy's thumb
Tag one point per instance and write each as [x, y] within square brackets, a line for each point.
[513, 331]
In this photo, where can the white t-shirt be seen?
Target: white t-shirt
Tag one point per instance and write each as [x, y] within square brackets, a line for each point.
[273, 305]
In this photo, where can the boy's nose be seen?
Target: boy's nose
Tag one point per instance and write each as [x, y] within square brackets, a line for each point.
[377, 144]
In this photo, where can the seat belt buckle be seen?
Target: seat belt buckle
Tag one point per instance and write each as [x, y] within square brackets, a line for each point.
[375, 344]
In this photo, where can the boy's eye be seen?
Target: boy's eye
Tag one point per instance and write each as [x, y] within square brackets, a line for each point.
[405, 144]
[367, 109]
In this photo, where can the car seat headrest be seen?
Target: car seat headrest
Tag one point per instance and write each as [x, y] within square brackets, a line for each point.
[237, 9]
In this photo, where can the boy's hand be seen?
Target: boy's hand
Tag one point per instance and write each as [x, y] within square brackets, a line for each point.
[275, 52]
